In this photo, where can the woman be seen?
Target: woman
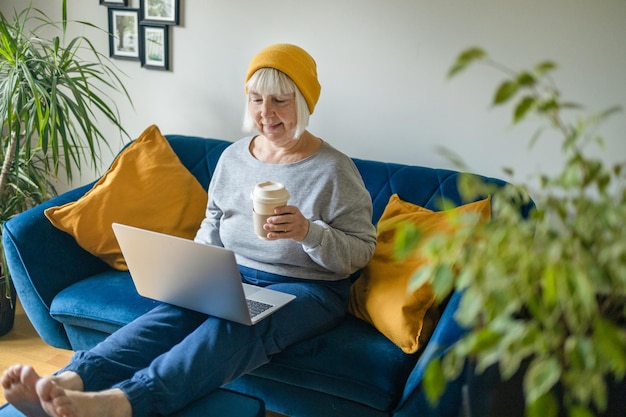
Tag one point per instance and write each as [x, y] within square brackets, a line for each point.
[314, 244]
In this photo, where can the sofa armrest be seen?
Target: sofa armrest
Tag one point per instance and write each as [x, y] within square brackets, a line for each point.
[446, 334]
[42, 261]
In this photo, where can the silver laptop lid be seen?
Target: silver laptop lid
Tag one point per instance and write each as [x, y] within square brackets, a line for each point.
[184, 273]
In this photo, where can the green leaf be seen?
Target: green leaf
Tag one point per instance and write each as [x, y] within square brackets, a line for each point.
[470, 306]
[570, 105]
[484, 340]
[599, 392]
[510, 172]
[464, 59]
[422, 276]
[609, 112]
[443, 281]
[544, 67]
[526, 79]
[548, 105]
[453, 157]
[580, 411]
[549, 287]
[522, 108]
[434, 381]
[406, 239]
[64, 14]
[533, 140]
[542, 375]
[544, 406]
[453, 365]
[504, 93]
[610, 340]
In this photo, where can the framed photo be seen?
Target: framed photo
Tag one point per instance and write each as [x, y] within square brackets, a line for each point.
[124, 36]
[118, 3]
[160, 11]
[155, 52]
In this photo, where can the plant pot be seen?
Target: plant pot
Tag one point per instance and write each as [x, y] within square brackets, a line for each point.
[7, 307]
[491, 396]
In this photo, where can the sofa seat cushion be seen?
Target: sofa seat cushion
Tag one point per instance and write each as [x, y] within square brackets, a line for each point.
[353, 361]
[112, 302]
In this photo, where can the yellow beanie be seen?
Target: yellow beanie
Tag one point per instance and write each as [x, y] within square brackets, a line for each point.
[296, 63]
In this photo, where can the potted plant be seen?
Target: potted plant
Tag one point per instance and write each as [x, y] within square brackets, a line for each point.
[543, 297]
[27, 185]
[53, 92]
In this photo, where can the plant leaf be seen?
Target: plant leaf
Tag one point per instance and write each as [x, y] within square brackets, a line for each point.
[580, 411]
[504, 93]
[443, 281]
[466, 58]
[549, 285]
[610, 340]
[548, 105]
[544, 406]
[434, 381]
[526, 79]
[522, 108]
[544, 67]
[542, 375]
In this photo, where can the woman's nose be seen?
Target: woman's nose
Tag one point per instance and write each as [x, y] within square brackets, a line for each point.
[267, 107]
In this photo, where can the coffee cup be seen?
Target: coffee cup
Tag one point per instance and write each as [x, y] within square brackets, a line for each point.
[266, 196]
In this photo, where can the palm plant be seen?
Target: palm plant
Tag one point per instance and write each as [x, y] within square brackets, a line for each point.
[54, 91]
[26, 186]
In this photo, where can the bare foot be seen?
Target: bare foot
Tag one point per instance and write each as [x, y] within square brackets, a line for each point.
[61, 402]
[18, 383]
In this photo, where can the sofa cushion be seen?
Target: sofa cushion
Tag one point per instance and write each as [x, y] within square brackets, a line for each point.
[352, 361]
[381, 296]
[146, 186]
[335, 363]
[113, 302]
[223, 402]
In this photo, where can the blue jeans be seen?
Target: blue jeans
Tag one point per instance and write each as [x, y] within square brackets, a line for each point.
[171, 356]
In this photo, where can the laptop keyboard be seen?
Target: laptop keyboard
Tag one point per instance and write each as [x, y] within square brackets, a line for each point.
[257, 307]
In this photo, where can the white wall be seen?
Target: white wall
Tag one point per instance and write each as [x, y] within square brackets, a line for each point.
[382, 66]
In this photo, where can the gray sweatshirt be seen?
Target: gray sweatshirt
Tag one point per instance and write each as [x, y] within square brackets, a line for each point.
[326, 187]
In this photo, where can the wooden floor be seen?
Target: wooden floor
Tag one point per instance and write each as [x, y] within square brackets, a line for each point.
[23, 345]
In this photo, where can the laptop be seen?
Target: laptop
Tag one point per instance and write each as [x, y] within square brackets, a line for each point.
[194, 275]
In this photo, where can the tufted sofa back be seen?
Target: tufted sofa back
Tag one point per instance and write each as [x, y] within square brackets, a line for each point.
[424, 186]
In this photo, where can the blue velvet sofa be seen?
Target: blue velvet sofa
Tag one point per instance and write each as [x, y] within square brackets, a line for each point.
[74, 300]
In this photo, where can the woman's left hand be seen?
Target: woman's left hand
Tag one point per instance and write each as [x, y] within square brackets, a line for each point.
[287, 223]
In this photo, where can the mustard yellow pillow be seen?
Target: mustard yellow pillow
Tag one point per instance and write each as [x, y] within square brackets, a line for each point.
[381, 296]
[146, 186]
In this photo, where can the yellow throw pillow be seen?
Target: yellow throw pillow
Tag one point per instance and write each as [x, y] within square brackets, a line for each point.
[146, 186]
[381, 295]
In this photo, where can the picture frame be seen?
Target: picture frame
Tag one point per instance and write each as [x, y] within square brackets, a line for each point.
[155, 51]
[160, 11]
[116, 3]
[124, 35]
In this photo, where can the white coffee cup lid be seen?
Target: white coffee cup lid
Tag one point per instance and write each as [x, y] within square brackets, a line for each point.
[269, 192]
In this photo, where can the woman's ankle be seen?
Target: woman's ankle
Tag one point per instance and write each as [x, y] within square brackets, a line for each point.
[69, 380]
